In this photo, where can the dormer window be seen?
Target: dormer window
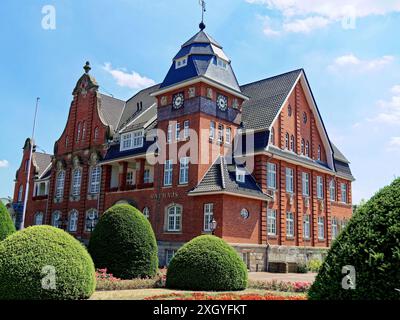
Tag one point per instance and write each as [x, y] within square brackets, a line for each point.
[222, 63]
[182, 62]
[240, 175]
[132, 140]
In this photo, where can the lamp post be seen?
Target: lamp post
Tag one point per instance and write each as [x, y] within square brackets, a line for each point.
[213, 226]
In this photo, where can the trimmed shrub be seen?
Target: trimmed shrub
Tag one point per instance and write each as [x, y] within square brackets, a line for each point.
[371, 244]
[124, 243]
[207, 263]
[6, 224]
[30, 258]
[314, 265]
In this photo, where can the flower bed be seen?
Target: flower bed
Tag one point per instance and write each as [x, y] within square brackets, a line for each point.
[281, 286]
[223, 296]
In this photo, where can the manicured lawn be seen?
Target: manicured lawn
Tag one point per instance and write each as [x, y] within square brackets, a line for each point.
[166, 294]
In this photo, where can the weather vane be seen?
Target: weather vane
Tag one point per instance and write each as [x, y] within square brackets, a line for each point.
[203, 10]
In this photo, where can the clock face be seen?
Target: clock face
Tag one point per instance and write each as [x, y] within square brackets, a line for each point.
[222, 102]
[178, 101]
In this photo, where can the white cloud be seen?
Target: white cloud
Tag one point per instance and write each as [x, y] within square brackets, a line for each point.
[131, 80]
[394, 144]
[4, 164]
[297, 13]
[389, 109]
[351, 62]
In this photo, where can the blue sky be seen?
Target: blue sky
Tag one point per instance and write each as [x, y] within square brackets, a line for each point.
[349, 50]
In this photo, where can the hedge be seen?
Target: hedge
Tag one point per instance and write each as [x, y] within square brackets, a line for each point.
[7, 226]
[124, 243]
[371, 244]
[30, 258]
[207, 263]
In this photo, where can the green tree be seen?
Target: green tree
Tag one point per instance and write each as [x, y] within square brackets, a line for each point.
[6, 224]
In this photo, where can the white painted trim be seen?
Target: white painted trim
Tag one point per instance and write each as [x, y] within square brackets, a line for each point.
[197, 80]
[138, 156]
[138, 117]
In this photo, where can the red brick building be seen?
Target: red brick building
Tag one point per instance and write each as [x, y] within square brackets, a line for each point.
[199, 147]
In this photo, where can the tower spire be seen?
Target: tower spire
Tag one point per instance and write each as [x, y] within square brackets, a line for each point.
[202, 26]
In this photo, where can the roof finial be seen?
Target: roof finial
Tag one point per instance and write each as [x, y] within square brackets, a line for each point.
[202, 26]
[87, 67]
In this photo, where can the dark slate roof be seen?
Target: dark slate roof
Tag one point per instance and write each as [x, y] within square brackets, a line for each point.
[338, 155]
[41, 161]
[131, 111]
[343, 168]
[266, 98]
[222, 178]
[202, 52]
[111, 109]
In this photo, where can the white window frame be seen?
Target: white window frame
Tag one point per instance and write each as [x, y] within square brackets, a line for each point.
[184, 170]
[212, 130]
[169, 254]
[289, 180]
[126, 141]
[208, 216]
[174, 218]
[343, 192]
[332, 190]
[146, 212]
[147, 176]
[221, 63]
[289, 224]
[271, 175]
[137, 139]
[130, 178]
[240, 175]
[181, 62]
[186, 128]
[168, 171]
[95, 180]
[321, 228]
[221, 130]
[73, 219]
[177, 131]
[56, 222]
[60, 181]
[271, 222]
[306, 184]
[320, 187]
[39, 217]
[228, 135]
[76, 182]
[306, 226]
[169, 133]
[92, 215]
[292, 143]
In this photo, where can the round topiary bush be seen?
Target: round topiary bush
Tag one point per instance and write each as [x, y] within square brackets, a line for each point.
[207, 263]
[44, 262]
[371, 244]
[6, 224]
[124, 243]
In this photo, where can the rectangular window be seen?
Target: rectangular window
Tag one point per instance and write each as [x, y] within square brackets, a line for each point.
[208, 216]
[240, 175]
[271, 222]
[220, 133]
[228, 135]
[320, 187]
[289, 180]
[147, 176]
[334, 228]
[186, 127]
[332, 190]
[130, 178]
[289, 224]
[76, 182]
[212, 130]
[271, 176]
[177, 131]
[182, 62]
[321, 228]
[169, 254]
[306, 226]
[138, 139]
[306, 184]
[184, 171]
[168, 173]
[126, 141]
[95, 178]
[169, 134]
[222, 63]
[343, 187]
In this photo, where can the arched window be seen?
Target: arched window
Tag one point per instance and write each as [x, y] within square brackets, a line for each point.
[76, 182]
[146, 212]
[92, 217]
[96, 133]
[20, 193]
[73, 221]
[305, 117]
[308, 149]
[174, 218]
[60, 184]
[95, 177]
[289, 110]
[84, 131]
[272, 137]
[56, 219]
[287, 141]
[319, 152]
[303, 146]
[292, 143]
[38, 221]
[78, 134]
